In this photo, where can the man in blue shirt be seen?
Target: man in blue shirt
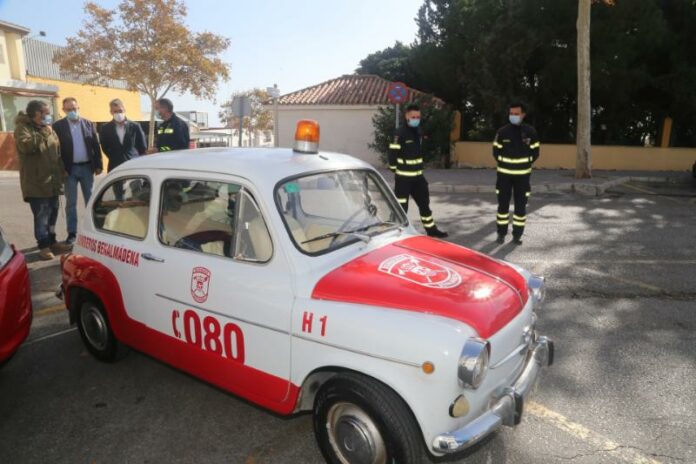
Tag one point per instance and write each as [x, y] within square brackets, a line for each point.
[79, 148]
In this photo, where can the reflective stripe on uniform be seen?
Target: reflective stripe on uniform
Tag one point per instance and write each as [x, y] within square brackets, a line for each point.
[415, 161]
[429, 225]
[503, 216]
[165, 131]
[400, 160]
[535, 145]
[514, 172]
[403, 200]
[527, 194]
[497, 145]
[519, 218]
[515, 160]
[502, 222]
[393, 168]
[408, 173]
[394, 146]
[518, 223]
[165, 149]
[497, 192]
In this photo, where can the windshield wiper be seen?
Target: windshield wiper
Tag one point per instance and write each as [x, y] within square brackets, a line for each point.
[354, 232]
[363, 237]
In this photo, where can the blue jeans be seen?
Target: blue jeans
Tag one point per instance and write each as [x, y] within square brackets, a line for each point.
[45, 211]
[82, 174]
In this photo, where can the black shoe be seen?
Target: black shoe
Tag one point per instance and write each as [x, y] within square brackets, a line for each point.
[517, 240]
[70, 240]
[437, 233]
[500, 239]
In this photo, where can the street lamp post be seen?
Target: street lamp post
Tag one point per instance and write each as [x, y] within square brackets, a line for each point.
[274, 93]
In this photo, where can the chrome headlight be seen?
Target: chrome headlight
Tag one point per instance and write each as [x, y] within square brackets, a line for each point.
[537, 287]
[473, 362]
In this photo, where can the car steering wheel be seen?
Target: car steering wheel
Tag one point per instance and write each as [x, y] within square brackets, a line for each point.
[197, 239]
[342, 227]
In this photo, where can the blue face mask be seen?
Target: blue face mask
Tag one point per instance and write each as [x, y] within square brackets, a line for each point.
[73, 115]
[515, 119]
[47, 119]
[414, 122]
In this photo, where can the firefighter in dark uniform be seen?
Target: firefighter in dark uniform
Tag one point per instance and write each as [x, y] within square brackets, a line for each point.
[173, 133]
[515, 149]
[406, 161]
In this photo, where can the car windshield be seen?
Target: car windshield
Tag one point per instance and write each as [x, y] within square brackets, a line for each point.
[329, 210]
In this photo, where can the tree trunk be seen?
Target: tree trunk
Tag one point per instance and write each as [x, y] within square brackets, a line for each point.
[583, 163]
[151, 130]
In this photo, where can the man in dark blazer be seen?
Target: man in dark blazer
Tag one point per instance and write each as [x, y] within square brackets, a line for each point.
[120, 138]
[79, 149]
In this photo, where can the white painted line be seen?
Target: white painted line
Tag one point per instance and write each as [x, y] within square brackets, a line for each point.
[46, 337]
[595, 440]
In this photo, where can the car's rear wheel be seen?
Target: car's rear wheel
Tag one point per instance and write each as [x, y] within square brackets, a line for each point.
[96, 333]
[358, 420]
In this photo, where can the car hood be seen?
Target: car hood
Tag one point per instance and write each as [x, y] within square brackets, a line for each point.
[430, 276]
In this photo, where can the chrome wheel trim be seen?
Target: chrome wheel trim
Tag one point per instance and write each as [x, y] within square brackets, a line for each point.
[354, 436]
[94, 326]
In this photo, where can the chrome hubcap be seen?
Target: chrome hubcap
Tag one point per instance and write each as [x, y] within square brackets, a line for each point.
[354, 436]
[94, 326]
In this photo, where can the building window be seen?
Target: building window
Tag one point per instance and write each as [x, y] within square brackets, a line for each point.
[13, 104]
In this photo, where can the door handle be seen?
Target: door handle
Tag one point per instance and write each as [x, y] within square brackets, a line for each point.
[151, 257]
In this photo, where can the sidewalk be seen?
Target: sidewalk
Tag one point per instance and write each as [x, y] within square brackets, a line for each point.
[464, 180]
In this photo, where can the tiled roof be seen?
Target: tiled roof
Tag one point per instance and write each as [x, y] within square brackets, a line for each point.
[351, 89]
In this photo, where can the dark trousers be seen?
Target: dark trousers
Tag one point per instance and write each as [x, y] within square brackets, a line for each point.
[45, 211]
[506, 187]
[416, 187]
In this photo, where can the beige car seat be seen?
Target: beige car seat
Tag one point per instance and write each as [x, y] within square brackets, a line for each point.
[128, 221]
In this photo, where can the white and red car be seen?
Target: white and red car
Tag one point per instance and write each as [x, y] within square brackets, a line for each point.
[293, 279]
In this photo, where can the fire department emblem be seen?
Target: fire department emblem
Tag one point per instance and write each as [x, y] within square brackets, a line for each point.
[420, 271]
[200, 282]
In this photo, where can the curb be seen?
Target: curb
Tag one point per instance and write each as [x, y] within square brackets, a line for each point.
[562, 187]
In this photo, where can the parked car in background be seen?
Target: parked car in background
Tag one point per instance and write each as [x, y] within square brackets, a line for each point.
[15, 300]
[293, 279]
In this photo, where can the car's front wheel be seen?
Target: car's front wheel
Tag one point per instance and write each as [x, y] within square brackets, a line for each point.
[358, 420]
[96, 332]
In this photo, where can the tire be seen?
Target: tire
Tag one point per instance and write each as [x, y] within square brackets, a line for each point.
[358, 420]
[95, 331]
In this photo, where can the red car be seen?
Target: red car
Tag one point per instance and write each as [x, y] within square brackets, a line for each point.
[15, 300]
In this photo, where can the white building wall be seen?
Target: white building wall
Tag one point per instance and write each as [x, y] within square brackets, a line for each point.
[344, 129]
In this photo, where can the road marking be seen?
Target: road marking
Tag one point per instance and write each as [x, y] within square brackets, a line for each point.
[46, 337]
[49, 310]
[637, 283]
[644, 190]
[570, 262]
[594, 439]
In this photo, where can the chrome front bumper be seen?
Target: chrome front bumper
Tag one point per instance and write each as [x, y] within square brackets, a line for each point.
[506, 410]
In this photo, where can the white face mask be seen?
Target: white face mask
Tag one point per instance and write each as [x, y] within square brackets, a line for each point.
[119, 117]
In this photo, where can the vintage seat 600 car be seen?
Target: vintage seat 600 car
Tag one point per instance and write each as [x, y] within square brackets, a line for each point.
[292, 278]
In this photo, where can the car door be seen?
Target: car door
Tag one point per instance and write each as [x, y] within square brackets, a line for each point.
[222, 290]
[119, 236]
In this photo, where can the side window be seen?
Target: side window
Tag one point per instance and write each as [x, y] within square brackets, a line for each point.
[198, 215]
[253, 240]
[124, 207]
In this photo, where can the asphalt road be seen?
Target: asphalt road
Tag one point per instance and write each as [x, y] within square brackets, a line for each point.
[621, 271]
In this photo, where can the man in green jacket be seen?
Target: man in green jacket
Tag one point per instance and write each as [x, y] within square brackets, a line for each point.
[41, 174]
